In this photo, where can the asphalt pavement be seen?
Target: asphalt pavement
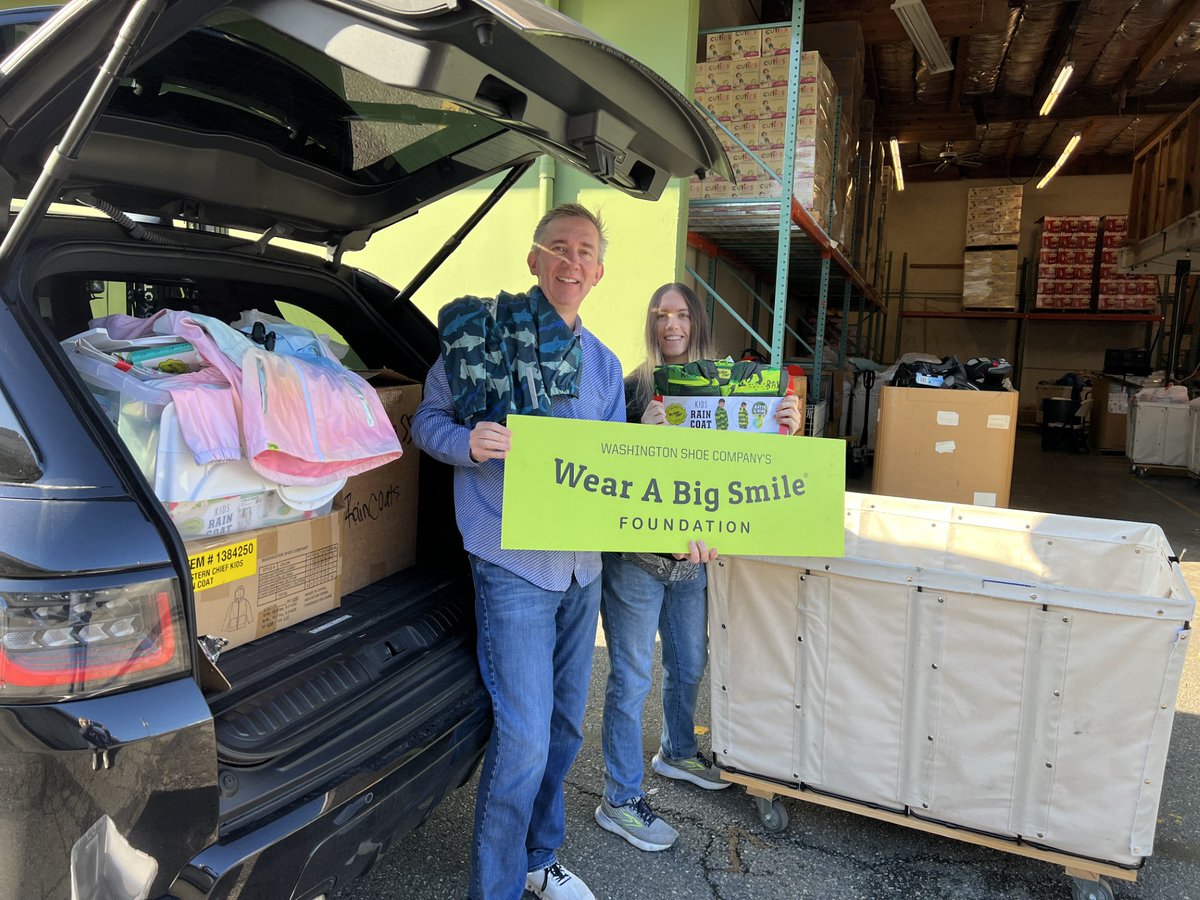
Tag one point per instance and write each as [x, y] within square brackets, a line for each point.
[725, 853]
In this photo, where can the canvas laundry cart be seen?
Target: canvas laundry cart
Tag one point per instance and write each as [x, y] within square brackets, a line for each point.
[1002, 677]
[1157, 436]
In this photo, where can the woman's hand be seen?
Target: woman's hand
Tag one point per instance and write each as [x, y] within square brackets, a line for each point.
[698, 552]
[787, 413]
[655, 414]
[489, 440]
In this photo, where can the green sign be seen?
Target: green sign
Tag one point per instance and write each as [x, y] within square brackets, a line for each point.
[582, 485]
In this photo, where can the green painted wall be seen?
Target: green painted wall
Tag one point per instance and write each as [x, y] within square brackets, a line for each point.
[646, 240]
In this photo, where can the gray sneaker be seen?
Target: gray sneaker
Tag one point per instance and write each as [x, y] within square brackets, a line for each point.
[697, 769]
[637, 823]
[557, 882]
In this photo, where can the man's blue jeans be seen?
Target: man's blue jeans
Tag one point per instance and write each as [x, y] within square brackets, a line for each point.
[634, 605]
[535, 652]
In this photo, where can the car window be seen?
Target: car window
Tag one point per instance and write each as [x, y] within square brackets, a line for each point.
[316, 324]
[239, 76]
[18, 462]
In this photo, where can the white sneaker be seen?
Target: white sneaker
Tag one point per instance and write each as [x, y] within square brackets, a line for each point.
[556, 882]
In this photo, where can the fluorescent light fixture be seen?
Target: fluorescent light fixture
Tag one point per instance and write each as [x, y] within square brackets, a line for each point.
[1062, 158]
[1065, 71]
[895, 145]
[915, 19]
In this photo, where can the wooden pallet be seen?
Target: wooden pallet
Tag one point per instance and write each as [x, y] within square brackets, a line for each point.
[1083, 870]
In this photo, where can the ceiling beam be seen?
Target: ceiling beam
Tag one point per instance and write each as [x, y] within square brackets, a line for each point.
[919, 123]
[1024, 167]
[1188, 12]
[960, 56]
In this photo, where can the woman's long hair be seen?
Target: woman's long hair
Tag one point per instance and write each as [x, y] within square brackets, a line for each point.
[700, 345]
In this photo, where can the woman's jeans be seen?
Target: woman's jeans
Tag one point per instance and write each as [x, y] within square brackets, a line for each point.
[535, 653]
[633, 606]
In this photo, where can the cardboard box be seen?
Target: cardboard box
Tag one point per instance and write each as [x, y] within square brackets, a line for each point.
[379, 507]
[254, 583]
[936, 444]
[745, 44]
[717, 46]
[1110, 412]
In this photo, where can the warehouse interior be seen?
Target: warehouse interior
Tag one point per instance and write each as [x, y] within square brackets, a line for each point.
[1016, 182]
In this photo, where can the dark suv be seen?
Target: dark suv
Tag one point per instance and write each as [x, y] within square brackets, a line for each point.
[178, 139]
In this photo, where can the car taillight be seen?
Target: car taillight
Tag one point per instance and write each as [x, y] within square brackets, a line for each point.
[60, 645]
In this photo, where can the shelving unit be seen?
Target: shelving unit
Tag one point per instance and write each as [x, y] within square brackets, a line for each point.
[778, 236]
[1021, 315]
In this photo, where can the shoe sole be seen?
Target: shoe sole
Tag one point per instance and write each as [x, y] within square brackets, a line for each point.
[669, 771]
[608, 825]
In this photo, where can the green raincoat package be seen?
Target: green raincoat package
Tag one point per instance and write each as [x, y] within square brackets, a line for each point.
[725, 394]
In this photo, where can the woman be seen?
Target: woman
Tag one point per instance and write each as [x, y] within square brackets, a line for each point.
[645, 593]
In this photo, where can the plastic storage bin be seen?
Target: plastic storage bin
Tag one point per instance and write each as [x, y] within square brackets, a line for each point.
[1008, 672]
[1157, 433]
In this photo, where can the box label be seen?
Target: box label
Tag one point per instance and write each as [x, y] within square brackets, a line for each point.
[221, 565]
[734, 413]
[998, 421]
[947, 417]
[944, 447]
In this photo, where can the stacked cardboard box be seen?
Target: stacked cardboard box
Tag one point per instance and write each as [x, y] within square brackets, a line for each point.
[990, 279]
[1066, 261]
[842, 48]
[749, 93]
[1114, 290]
[994, 216]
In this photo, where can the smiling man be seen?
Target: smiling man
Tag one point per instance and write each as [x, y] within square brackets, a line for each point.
[536, 610]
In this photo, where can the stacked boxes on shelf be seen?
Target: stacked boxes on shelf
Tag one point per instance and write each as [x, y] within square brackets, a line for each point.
[1066, 262]
[1114, 290]
[843, 50]
[990, 279]
[990, 261]
[994, 216]
[748, 92]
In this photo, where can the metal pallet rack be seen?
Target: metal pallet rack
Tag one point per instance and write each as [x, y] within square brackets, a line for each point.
[1021, 314]
[779, 236]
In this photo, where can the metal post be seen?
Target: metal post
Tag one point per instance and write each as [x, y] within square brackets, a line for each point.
[783, 254]
[1183, 268]
[819, 340]
[900, 300]
[887, 293]
[712, 279]
[845, 325]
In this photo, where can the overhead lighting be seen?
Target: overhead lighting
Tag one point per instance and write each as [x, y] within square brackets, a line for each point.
[915, 19]
[1065, 71]
[1062, 158]
[895, 145]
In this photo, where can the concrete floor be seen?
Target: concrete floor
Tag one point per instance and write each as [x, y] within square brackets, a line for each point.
[724, 852]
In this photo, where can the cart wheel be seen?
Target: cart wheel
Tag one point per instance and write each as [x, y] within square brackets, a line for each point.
[774, 816]
[1139, 471]
[1082, 889]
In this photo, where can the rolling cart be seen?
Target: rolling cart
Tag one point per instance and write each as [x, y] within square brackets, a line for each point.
[954, 673]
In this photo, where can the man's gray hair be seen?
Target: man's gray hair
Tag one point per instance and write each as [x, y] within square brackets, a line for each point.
[570, 211]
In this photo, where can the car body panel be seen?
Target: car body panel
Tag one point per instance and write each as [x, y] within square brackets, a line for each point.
[144, 758]
[560, 90]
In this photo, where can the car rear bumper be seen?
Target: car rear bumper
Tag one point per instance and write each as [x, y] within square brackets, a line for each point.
[321, 843]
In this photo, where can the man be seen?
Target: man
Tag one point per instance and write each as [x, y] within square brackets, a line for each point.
[536, 610]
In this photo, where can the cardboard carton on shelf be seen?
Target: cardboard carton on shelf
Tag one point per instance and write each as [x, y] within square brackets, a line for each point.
[940, 444]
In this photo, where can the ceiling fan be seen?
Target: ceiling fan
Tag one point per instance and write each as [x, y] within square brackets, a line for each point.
[948, 157]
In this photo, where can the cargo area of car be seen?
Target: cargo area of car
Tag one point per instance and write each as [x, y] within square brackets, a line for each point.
[390, 671]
